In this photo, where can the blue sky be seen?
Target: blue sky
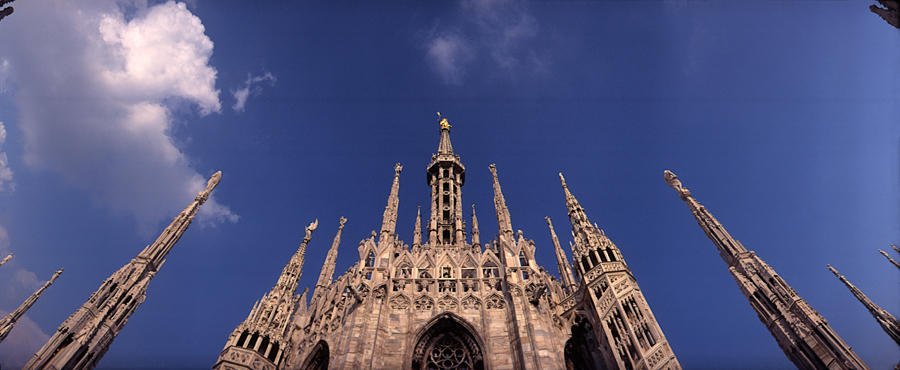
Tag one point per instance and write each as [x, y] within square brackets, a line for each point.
[781, 117]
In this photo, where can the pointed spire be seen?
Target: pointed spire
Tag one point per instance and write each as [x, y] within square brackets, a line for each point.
[895, 248]
[389, 220]
[156, 252]
[562, 262]
[444, 147]
[586, 235]
[417, 231]
[893, 261]
[327, 273]
[6, 324]
[887, 321]
[787, 316]
[5, 259]
[476, 235]
[503, 221]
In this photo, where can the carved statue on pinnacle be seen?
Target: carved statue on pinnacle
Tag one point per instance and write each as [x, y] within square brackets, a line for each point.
[443, 121]
[312, 227]
[675, 183]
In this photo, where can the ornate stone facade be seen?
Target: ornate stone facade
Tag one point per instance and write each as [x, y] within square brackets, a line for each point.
[449, 302]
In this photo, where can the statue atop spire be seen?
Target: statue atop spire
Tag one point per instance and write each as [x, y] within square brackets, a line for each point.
[389, 219]
[445, 125]
[891, 260]
[5, 259]
[887, 321]
[6, 324]
[801, 332]
[92, 328]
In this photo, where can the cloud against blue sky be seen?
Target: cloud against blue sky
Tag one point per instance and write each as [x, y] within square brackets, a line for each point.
[103, 122]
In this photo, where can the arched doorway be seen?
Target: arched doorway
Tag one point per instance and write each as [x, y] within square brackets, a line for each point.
[318, 358]
[448, 342]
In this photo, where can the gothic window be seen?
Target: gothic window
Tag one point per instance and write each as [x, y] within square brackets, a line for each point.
[593, 257]
[242, 338]
[446, 215]
[446, 272]
[468, 273]
[612, 255]
[274, 352]
[524, 274]
[490, 270]
[602, 255]
[370, 260]
[446, 186]
[523, 261]
[584, 263]
[405, 270]
[446, 232]
[446, 173]
[446, 198]
[447, 344]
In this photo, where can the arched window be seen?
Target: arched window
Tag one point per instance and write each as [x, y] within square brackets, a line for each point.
[446, 235]
[448, 343]
[490, 269]
[523, 261]
[370, 259]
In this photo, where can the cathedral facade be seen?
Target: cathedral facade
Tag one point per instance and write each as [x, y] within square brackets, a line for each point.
[449, 301]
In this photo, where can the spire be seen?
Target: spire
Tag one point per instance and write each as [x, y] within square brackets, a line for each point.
[476, 238]
[389, 220]
[801, 332]
[6, 324]
[503, 221]
[327, 272]
[156, 253]
[5, 259]
[887, 321]
[94, 326]
[444, 147]
[562, 262]
[893, 261]
[417, 231]
[272, 315]
[587, 236]
[895, 248]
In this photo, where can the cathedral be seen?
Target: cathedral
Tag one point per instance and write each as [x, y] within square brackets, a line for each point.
[449, 301]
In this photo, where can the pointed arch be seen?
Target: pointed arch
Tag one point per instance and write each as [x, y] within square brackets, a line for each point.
[447, 341]
[318, 358]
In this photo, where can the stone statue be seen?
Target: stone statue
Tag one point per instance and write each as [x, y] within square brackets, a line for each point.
[443, 121]
[309, 229]
[673, 181]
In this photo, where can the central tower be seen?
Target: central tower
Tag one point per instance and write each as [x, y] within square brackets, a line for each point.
[446, 175]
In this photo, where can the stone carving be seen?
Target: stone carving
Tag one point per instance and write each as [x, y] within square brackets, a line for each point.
[424, 303]
[399, 302]
[495, 302]
[447, 303]
[471, 303]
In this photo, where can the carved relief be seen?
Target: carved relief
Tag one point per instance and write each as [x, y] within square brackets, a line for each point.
[471, 303]
[424, 303]
[495, 302]
[447, 303]
[399, 302]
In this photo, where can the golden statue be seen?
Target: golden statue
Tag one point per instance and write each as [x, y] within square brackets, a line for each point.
[443, 121]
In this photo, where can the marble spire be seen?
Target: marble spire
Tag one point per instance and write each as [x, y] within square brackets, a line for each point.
[417, 230]
[476, 234]
[327, 273]
[6, 324]
[891, 260]
[887, 321]
[562, 262]
[389, 219]
[801, 332]
[503, 221]
[83, 338]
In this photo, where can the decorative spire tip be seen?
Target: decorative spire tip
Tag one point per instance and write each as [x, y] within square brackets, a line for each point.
[675, 183]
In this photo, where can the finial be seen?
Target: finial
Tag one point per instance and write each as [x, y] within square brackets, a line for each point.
[547, 218]
[833, 271]
[56, 275]
[445, 125]
[562, 179]
[397, 169]
[895, 248]
[675, 183]
[342, 221]
[312, 226]
[203, 196]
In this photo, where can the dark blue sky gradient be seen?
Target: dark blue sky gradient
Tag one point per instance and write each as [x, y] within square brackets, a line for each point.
[781, 117]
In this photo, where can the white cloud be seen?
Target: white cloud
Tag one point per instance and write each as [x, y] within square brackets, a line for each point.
[6, 174]
[97, 93]
[251, 86]
[501, 30]
[449, 54]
